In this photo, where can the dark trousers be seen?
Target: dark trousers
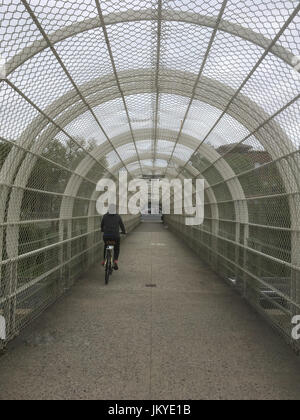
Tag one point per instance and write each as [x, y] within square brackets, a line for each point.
[116, 246]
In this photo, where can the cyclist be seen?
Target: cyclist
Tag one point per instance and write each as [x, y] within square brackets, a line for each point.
[110, 226]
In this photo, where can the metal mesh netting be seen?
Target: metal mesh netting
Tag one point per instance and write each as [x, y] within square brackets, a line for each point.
[167, 88]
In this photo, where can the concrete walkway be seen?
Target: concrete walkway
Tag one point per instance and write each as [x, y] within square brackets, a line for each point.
[190, 337]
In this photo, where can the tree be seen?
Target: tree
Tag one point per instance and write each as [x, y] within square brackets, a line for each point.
[48, 177]
[5, 148]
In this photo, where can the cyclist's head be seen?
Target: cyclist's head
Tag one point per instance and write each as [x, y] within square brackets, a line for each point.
[112, 209]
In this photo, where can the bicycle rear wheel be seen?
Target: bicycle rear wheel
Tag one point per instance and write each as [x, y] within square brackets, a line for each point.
[107, 267]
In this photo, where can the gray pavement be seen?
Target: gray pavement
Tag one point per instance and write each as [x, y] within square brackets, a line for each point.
[187, 337]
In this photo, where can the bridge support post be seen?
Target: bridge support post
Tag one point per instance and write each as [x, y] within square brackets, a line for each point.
[10, 303]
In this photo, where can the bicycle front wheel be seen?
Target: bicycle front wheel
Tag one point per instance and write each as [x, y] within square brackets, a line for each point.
[107, 267]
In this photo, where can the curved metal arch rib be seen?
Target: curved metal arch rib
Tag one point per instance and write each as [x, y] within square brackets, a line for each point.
[207, 94]
[246, 112]
[116, 168]
[209, 153]
[63, 118]
[147, 15]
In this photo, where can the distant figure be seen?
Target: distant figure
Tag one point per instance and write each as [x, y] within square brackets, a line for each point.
[110, 226]
[163, 218]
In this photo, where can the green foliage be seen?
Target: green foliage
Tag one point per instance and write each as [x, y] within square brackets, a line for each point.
[48, 177]
[37, 205]
[5, 148]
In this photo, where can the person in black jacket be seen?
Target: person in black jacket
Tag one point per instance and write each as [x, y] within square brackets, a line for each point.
[110, 226]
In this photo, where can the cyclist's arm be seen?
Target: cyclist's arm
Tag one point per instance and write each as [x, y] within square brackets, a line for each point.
[122, 226]
[102, 224]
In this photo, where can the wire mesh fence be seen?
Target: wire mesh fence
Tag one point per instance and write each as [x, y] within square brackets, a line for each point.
[269, 284]
[56, 253]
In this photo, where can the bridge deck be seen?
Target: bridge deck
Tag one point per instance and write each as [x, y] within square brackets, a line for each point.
[187, 337]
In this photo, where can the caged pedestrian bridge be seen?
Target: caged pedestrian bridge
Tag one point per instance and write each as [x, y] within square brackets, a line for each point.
[164, 89]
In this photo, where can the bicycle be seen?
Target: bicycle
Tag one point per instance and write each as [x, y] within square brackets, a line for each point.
[108, 265]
